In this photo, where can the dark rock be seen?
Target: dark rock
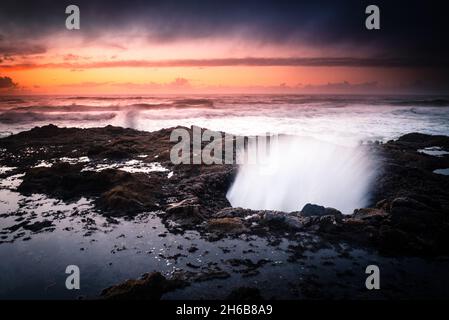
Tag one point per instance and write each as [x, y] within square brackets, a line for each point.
[404, 203]
[281, 221]
[419, 140]
[248, 265]
[391, 240]
[230, 212]
[409, 202]
[316, 210]
[226, 225]
[369, 213]
[150, 287]
[34, 227]
[123, 199]
[383, 204]
[191, 265]
[192, 249]
[188, 210]
[414, 216]
[273, 217]
[211, 275]
[117, 192]
[328, 223]
[38, 226]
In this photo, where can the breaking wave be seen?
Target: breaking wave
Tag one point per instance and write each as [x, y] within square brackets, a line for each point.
[25, 117]
[321, 116]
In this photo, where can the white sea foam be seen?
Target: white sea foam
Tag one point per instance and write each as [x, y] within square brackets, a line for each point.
[5, 169]
[434, 151]
[131, 166]
[348, 119]
[75, 160]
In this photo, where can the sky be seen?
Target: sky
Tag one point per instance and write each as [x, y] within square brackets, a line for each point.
[128, 47]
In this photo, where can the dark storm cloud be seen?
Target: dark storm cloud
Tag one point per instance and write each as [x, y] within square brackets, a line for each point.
[9, 49]
[414, 28]
[12, 49]
[254, 62]
[7, 83]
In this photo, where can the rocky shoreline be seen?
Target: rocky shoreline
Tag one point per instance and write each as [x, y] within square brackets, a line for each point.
[408, 214]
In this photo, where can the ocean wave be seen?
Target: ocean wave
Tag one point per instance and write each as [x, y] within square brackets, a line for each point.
[65, 108]
[11, 100]
[439, 102]
[182, 103]
[105, 98]
[24, 117]
[206, 103]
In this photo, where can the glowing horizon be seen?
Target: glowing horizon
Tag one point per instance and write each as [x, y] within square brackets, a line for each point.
[195, 49]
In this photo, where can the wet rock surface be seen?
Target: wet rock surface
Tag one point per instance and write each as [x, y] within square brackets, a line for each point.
[408, 215]
[150, 287]
[117, 192]
[316, 210]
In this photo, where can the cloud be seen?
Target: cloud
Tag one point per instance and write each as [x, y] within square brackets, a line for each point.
[71, 57]
[86, 84]
[7, 83]
[182, 85]
[14, 48]
[248, 61]
[178, 83]
[419, 31]
[10, 50]
[345, 87]
[342, 86]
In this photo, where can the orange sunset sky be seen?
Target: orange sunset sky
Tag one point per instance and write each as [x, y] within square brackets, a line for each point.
[205, 49]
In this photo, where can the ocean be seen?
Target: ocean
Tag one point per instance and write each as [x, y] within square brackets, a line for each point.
[335, 118]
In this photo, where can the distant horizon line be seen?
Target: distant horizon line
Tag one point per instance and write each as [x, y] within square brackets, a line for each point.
[81, 95]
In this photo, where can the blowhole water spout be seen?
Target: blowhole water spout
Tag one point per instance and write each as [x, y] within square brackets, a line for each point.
[298, 171]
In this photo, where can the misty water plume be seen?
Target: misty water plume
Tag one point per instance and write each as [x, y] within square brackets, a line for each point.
[297, 171]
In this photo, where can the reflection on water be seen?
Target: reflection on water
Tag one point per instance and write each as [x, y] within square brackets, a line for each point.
[111, 250]
[442, 171]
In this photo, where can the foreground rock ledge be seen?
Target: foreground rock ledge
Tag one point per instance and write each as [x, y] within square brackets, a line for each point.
[409, 213]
